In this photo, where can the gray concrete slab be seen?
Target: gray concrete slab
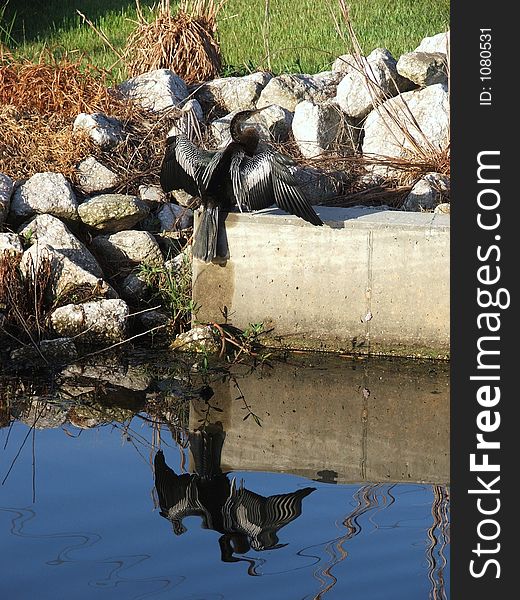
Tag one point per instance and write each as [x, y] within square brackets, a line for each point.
[370, 281]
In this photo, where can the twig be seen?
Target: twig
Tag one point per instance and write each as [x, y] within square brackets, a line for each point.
[122, 342]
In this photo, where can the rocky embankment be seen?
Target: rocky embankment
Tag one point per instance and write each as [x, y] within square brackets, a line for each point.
[98, 243]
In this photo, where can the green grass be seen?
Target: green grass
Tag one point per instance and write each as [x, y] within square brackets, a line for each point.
[302, 34]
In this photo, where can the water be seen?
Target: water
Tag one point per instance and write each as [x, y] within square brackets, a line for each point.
[355, 454]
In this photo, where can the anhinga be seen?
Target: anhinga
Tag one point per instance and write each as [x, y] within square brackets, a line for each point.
[241, 174]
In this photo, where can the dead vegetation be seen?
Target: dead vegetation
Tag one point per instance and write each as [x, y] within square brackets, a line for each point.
[38, 104]
[24, 297]
[39, 101]
[185, 42]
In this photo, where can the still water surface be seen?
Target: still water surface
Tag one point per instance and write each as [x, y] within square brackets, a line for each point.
[135, 492]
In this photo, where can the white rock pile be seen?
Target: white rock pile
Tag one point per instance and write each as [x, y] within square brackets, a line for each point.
[95, 237]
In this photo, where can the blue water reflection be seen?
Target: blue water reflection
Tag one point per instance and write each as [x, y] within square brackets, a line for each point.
[80, 518]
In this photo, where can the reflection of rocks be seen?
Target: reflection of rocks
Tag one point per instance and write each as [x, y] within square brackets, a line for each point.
[40, 414]
[132, 377]
[57, 351]
[86, 417]
[245, 519]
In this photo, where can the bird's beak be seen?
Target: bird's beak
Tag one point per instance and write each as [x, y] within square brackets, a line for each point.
[257, 110]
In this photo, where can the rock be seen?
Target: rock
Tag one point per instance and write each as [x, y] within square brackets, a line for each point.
[287, 90]
[105, 132]
[95, 177]
[134, 287]
[234, 93]
[96, 322]
[151, 194]
[6, 190]
[276, 120]
[424, 68]
[112, 212]
[155, 90]
[37, 413]
[184, 199]
[48, 230]
[359, 91]
[96, 414]
[443, 208]
[325, 85]
[202, 338]
[68, 277]
[130, 377]
[174, 217]
[317, 127]
[61, 351]
[426, 108]
[124, 250]
[427, 193]
[10, 244]
[154, 318]
[436, 43]
[45, 193]
[344, 64]
[317, 185]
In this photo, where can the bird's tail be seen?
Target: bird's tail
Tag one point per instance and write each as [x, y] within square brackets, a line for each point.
[206, 236]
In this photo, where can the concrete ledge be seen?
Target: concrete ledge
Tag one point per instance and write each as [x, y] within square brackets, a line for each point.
[370, 281]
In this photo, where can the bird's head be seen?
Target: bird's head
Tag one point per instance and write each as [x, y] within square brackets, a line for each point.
[235, 126]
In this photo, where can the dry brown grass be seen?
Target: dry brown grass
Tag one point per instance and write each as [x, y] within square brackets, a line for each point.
[25, 297]
[62, 85]
[38, 104]
[184, 42]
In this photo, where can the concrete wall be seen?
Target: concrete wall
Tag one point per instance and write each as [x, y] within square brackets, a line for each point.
[315, 286]
[365, 420]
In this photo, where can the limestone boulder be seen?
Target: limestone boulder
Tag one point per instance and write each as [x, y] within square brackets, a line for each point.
[318, 127]
[234, 93]
[57, 351]
[93, 176]
[155, 90]
[435, 43]
[68, 276]
[174, 217]
[112, 212]
[202, 338]
[424, 68]
[50, 231]
[421, 115]
[430, 191]
[344, 64]
[288, 90]
[10, 244]
[106, 132]
[151, 194]
[94, 322]
[125, 249]
[45, 193]
[374, 79]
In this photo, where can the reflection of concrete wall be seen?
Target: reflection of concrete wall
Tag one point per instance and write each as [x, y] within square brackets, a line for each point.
[315, 419]
[313, 286]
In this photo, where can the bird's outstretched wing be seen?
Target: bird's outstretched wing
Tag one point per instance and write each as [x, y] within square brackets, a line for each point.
[264, 179]
[187, 167]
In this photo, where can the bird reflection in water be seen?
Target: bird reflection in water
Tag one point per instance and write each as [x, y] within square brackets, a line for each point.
[245, 519]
